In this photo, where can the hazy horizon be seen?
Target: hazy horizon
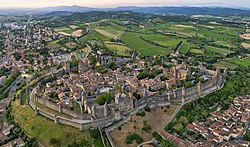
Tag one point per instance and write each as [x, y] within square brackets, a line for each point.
[115, 3]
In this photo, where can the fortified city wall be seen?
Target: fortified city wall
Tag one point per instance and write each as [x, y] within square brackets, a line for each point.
[180, 95]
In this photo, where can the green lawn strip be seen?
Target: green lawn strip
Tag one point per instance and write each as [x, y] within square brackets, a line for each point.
[185, 48]
[246, 41]
[24, 98]
[197, 51]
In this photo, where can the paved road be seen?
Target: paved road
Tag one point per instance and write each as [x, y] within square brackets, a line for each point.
[14, 84]
[17, 80]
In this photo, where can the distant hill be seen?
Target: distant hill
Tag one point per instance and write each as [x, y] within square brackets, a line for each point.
[218, 11]
[67, 8]
[61, 10]
[57, 13]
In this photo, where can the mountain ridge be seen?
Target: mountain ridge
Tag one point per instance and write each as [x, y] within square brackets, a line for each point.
[186, 10]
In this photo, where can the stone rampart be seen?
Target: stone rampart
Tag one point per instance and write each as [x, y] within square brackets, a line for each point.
[167, 98]
[59, 109]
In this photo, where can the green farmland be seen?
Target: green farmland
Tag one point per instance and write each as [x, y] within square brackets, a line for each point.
[241, 62]
[64, 29]
[216, 50]
[53, 44]
[224, 64]
[134, 41]
[197, 51]
[120, 50]
[94, 35]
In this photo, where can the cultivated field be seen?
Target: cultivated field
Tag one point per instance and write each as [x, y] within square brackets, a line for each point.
[94, 35]
[105, 33]
[77, 33]
[134, 41]
[220, 51]
[121, 50]
[71, 30]
[224, 64]
[197, 51]
[66, 30]
[241, 62]
[245, 45]
[245, 36]
[73, 27]
[185, 26]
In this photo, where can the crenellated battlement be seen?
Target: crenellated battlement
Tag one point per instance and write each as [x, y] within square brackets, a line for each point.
[103, 115]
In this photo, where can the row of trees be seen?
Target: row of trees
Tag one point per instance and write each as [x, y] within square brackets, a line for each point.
[149, 74]
[4, 88]
[163, 142]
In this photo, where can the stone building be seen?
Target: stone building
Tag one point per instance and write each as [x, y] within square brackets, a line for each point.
[83, 65]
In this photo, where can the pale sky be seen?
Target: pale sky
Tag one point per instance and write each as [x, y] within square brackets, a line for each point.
[115, 3]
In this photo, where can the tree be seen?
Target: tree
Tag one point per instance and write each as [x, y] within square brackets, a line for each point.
[101, 69]
[17, 56]
[91, 59]
[247, 136]
[131, 137]
[104, 98]
[112, 65]
[74, 63]
[137, 95]
[94, 133]
[163, 78]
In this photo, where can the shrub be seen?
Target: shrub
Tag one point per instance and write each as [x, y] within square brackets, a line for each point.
[101, 69]
[163, 78]
[136, 95]
[141, 114]
[146, 127]
[147, 109]
[94, 133]
[131, 137]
